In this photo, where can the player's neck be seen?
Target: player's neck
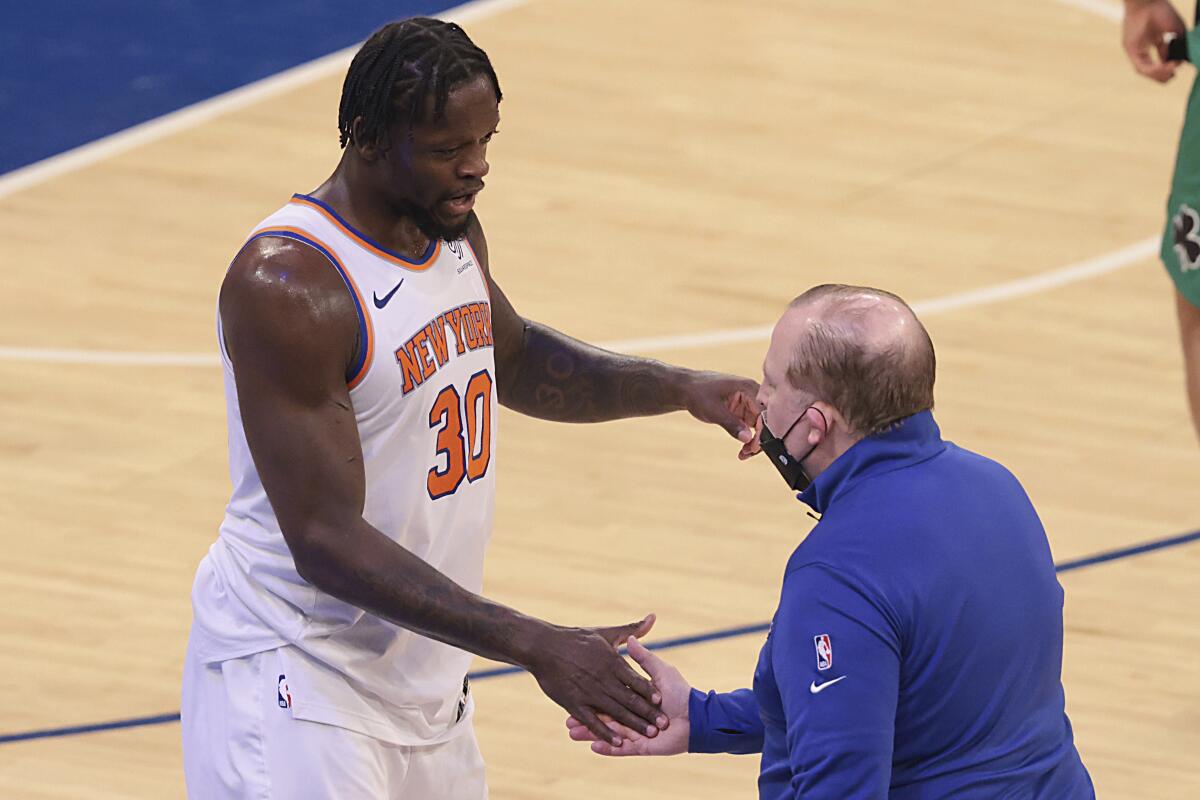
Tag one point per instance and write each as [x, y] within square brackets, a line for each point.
[355, 200]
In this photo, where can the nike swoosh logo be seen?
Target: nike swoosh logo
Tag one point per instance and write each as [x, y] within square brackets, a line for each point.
[817, 688]
[381, 302]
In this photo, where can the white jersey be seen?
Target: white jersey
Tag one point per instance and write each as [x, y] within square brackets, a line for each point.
[424, 400]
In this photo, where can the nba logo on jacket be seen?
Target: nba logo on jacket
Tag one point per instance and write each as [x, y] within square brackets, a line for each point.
[824, 651]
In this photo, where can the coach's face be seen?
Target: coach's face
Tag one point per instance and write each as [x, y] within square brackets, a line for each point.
[435, 170]
[783, 404]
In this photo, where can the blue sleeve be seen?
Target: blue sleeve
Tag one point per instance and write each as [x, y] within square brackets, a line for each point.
[839, 693]
[724, 723]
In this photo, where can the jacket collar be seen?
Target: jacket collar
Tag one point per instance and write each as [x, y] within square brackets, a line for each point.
[911, 440]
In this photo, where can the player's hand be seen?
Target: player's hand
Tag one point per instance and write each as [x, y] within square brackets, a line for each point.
[675, 693]
[1146, 23]
[580, 669]
[724, 400]
[747, 408]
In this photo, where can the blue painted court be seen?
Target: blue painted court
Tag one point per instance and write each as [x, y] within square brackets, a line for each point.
[71, 73]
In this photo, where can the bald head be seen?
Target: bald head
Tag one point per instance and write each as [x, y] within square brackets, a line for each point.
[861, 350]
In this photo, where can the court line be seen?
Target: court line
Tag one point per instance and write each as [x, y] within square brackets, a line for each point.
[197, 113]
[1021, 287]
[76, 730]
[1110, 11]
[664, 644]
[190, 116]
[276, 84]
[1127, 552]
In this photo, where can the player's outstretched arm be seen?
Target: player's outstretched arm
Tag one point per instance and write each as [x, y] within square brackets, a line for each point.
[290, 330]
[547, 374]
[1146, 24]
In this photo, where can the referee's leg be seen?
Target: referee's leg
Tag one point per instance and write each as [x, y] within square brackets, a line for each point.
[1189, 336]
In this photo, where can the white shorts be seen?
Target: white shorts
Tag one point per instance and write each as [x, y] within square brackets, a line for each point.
[238, 742]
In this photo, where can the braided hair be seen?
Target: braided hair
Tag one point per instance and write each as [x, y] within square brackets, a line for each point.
[402, 65]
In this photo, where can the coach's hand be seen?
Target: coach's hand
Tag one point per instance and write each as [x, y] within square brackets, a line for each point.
[580, 669]
[1146, 22]
[724, 400]
[675, 694]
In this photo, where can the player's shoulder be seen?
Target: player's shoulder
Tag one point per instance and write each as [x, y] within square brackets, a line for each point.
[274, 269]
[282, 285]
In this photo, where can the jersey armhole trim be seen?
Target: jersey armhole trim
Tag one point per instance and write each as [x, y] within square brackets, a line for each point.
[362, 363]
[483, 273]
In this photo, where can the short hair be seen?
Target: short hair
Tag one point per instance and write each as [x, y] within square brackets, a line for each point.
[873, 383]
[401, 66]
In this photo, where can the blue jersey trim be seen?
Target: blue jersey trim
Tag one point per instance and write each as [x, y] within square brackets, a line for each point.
[416, 263]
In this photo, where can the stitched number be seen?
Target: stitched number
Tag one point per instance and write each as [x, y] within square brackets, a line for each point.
[468, 455]
[478, 407]
[449, 442]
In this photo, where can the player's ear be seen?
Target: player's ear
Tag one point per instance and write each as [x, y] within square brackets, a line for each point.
[368, 150]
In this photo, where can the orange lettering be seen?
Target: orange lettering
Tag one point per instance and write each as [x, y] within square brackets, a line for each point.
[408, 365]
[469, 328]
[454, 317]
[485, 322]
[421, 345]
[437, 335]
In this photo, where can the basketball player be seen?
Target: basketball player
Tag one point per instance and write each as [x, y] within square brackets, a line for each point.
[1148, 24]
[365, 347]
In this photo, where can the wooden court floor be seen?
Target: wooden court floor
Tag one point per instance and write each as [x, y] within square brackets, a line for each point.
[664, 168]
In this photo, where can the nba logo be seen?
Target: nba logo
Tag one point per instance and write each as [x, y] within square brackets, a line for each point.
[824, 651]
[283, 695]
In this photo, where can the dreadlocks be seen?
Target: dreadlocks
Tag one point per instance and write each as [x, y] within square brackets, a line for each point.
[401, 65]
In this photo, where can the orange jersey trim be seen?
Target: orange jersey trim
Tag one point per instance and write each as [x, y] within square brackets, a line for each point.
[298, 234]
[362, 241]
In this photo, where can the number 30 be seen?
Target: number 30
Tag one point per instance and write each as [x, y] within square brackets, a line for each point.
[469, 455]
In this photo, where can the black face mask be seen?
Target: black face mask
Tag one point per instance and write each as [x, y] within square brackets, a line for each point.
[792, 469]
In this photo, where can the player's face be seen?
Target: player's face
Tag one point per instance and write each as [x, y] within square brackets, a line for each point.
[439, 168]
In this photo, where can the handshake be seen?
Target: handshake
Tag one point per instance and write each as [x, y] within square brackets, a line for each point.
[642, 717]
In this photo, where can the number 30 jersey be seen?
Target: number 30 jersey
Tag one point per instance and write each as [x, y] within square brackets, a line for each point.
[424, 400]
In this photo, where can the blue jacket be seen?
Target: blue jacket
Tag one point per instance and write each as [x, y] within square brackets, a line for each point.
[917, 648]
